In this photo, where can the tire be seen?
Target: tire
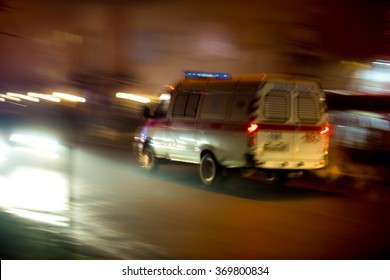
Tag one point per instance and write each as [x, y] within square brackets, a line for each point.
[147, 160]
[273, 177]
[210, 171]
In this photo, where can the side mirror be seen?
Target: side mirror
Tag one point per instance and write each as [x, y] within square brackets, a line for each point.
[146, 112]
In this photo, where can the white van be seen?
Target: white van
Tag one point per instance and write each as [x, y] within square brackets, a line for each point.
[274, 124]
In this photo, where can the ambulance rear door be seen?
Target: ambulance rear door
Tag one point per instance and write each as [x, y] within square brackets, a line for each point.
[291, 116]
[312, 130]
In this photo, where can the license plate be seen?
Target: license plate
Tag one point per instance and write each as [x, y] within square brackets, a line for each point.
[311, 138]
[275, 148]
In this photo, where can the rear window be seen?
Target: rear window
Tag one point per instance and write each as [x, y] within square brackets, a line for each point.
[277, 106]
[286, 101]
[308, 107]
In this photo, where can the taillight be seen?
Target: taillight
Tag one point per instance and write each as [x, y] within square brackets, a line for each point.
[252, 128]
[325, 130]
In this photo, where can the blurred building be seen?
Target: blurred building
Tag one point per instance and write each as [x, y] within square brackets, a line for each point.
[152, 43]
[97, 48]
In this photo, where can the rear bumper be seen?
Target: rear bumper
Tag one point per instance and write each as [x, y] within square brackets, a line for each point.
[287, 164]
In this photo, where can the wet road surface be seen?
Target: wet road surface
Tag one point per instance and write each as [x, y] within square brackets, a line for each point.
[114, 206]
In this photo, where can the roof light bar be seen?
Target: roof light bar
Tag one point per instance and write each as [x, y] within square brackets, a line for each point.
[215, 75]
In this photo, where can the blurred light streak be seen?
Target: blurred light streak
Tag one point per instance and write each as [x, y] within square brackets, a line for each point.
[69, 97]
[36, 141]
[34, 189]
[44, 96]
[165, 96]
[359, 129]
[36, 152]
[132, 97]
[22, 96]
[17, 99]
[41, 217]
[3, 151]
[381, 62]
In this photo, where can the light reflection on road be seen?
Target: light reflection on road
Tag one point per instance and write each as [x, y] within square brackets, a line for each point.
[129, 214]
[36, 194]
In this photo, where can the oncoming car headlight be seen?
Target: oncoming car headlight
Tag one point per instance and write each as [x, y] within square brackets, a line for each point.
[36, 145]
[4, 148]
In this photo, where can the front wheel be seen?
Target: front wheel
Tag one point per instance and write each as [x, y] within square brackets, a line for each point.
[210, 171]
[147, 160]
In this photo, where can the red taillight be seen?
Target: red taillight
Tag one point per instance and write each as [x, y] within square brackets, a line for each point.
[325, 130]
[252, 128]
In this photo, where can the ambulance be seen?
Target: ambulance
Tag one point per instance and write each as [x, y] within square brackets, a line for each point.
[273, 124]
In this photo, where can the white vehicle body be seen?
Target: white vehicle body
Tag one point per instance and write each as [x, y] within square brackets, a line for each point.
[274, 123]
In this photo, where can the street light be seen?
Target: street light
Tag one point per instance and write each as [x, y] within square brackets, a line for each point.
[132, 97]
[69, 97]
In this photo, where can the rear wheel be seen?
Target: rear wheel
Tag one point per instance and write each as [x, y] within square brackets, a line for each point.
[147, 160]
[210, 171]
[273, 177]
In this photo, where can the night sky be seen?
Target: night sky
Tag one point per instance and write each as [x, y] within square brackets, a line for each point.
[347, 29]
[350, 29]
[354, 29]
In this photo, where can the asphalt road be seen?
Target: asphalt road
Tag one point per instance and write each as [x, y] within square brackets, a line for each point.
[107, 202]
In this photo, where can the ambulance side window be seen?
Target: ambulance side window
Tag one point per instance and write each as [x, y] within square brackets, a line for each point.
[162, 110]
[192, 105]
[180, 105]
[240, 107]
[214, 106]
[185, 105]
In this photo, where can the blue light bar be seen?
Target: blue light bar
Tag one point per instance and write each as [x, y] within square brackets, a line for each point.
[214, 75]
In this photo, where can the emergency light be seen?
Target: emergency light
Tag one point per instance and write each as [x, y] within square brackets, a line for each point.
[215, 75]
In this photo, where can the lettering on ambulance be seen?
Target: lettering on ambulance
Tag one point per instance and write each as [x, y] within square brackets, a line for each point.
[274, 142]
[311, 138]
